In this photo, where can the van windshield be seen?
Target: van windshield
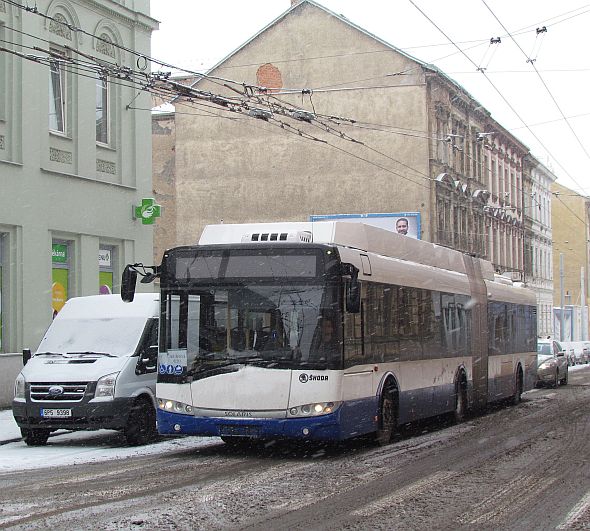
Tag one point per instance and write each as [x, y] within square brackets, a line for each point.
[115, 336]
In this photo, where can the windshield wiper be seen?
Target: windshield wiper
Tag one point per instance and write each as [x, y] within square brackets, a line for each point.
[91, 353]
[49, 354]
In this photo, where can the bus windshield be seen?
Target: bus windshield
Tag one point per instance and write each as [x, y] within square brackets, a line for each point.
[276, 326]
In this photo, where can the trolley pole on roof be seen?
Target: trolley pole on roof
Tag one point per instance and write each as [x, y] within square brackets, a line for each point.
[562, 298]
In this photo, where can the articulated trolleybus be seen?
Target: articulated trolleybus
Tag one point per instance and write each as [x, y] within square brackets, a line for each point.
[331, 330]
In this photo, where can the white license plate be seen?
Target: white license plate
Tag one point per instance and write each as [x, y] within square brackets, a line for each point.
[56, 413]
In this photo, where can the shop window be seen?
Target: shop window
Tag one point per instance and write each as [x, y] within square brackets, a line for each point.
[105, 269]
[60, 274]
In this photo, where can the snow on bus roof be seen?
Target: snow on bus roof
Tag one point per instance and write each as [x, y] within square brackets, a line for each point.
[361, 236]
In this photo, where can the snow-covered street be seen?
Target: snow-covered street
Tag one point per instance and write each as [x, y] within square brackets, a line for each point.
[73, 448]
[496, 470]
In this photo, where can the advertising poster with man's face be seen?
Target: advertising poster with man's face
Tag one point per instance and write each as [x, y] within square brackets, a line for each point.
[404, 223]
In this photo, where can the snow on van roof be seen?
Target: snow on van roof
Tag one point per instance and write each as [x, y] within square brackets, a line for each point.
[143, 305]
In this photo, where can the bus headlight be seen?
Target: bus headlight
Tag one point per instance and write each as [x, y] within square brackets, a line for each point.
[175, 407]
[314, 410]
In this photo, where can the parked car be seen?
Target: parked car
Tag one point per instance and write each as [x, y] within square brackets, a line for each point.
[552, 363]
[568, 346]
[95, 368]
[581, 351]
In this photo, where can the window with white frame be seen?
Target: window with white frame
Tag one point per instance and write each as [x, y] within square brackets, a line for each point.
[57, 93]
[102, 109]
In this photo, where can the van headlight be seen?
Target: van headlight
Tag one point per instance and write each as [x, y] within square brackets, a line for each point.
[105, 387]
[19, 387]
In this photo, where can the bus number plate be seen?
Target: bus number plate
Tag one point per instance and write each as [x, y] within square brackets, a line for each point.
[239, 431]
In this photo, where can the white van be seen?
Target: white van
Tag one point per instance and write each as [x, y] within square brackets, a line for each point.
[95, 368]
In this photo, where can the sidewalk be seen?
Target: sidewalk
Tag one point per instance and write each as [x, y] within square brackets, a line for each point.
[9, 431]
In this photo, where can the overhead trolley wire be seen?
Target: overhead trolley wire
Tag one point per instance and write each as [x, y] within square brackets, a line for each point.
[510, 106]
[531, 62]
[160, 85]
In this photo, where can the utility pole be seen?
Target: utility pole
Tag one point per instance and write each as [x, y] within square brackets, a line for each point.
[562, 298]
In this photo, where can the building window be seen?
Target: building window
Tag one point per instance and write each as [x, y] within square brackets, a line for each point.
[3, 77]
[60, 274]
[102, 108]
[57, 96]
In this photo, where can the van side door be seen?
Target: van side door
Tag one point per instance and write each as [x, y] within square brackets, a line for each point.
[147, 360]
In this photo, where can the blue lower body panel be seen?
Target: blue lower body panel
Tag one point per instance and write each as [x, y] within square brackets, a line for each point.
[350, 420]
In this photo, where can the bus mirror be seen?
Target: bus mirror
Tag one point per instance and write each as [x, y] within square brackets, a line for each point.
[26, 355]
[128, 281]
[353, 296]
[353, 288]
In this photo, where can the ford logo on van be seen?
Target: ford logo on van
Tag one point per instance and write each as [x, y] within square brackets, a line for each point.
[56, 390]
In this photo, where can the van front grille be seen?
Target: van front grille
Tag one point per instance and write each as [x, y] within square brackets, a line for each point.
[58, 392]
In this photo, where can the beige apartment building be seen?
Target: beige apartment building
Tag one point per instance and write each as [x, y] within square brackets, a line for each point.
[571, 236]
[384, 133]
[538, 244]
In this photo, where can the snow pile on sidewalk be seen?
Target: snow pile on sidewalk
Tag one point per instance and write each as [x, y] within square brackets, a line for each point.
[74, 448]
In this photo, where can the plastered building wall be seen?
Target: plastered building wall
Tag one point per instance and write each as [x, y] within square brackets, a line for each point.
[239, 169]
[570, 218]
[65, 186]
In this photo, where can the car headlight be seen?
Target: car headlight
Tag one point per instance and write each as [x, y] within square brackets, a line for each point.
[105, 387]
[19, 387]
[314, 410]
[175, 407]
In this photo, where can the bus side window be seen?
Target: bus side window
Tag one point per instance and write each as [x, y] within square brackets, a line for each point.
[353, 334]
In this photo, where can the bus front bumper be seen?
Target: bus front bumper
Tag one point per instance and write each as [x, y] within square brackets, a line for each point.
[320, 428]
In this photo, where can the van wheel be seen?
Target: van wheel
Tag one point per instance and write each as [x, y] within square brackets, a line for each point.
[387, 417]
[35, 437]
[141, 424]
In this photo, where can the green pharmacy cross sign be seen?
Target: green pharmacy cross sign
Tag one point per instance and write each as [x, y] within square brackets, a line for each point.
[148, 211]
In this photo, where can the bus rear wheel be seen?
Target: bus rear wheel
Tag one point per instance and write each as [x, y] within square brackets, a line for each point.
[517, 397]
[460, 402]
[386, 418]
